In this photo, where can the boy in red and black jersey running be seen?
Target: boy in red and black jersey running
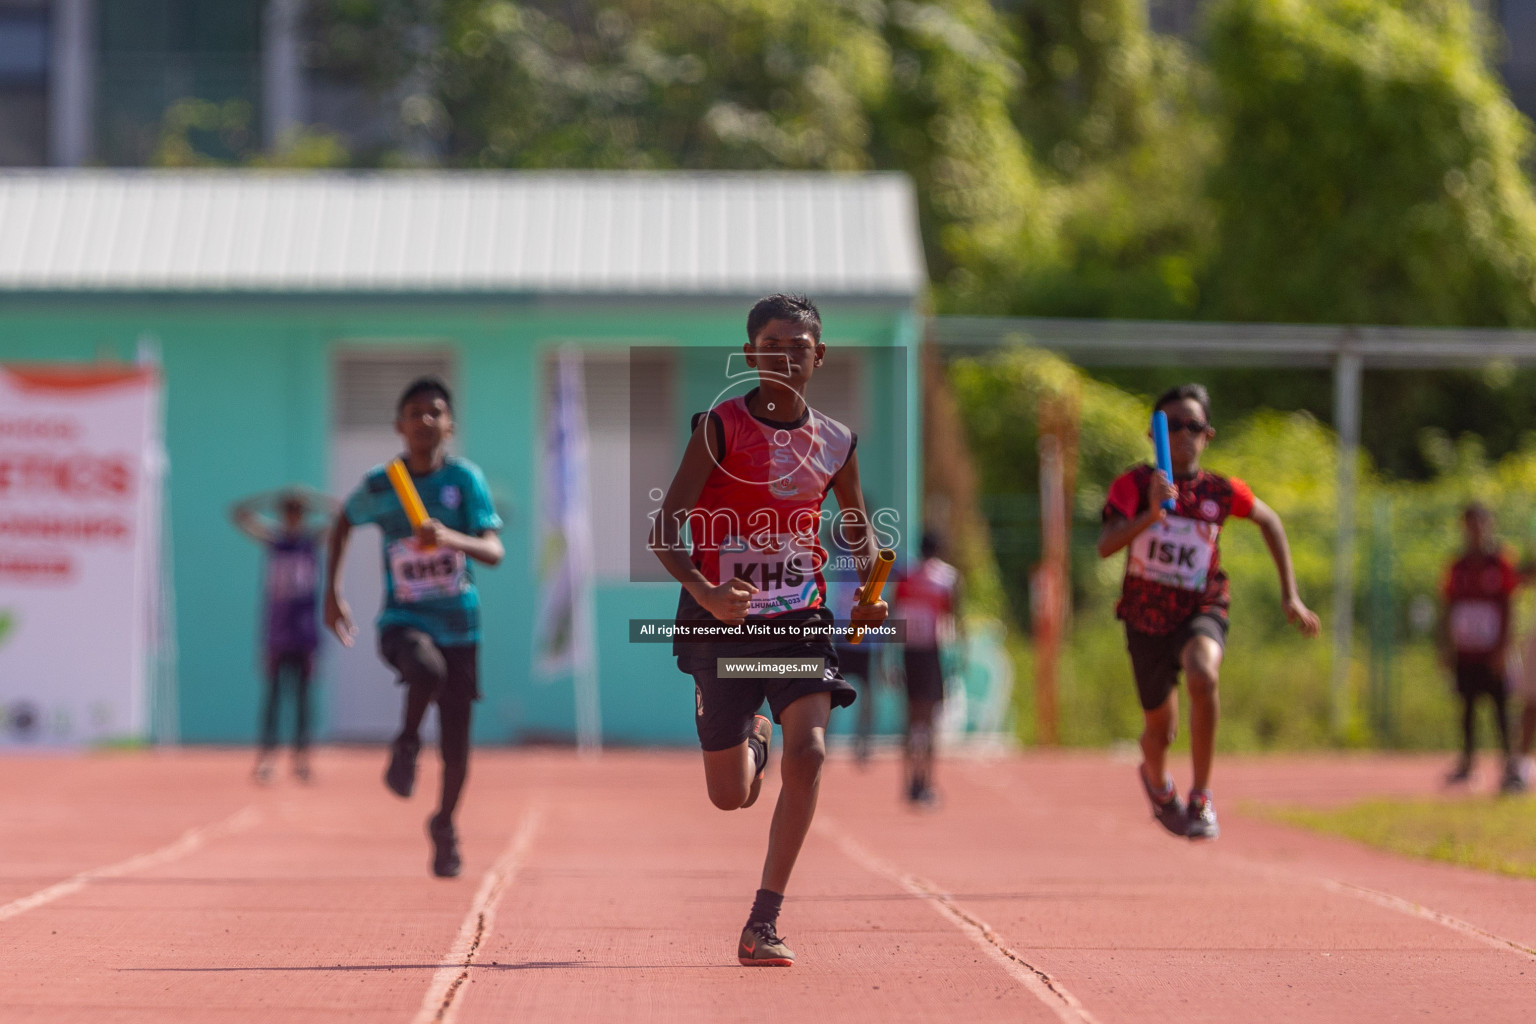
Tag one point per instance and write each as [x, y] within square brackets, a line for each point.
[750, 489]
[1175, 597]
[1475, 638]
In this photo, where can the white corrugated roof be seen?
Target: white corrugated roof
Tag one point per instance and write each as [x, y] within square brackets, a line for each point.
[573, 232]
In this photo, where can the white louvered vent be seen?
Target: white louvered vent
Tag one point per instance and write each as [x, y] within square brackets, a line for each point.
[369, 380]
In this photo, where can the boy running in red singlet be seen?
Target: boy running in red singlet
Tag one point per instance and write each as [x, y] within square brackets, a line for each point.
[1175, 596]
[750, 488]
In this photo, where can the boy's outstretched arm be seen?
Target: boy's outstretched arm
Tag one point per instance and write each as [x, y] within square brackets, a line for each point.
[728, 601]
[1119, 531]
[861, 539]
[338, 616]
[1269, 524]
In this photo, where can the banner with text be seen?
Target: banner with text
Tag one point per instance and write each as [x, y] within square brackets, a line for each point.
[79, 551]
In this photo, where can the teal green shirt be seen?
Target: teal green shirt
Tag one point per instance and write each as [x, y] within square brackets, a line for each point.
[432, 589]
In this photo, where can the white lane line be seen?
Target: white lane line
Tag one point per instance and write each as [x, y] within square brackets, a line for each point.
[1040, 984]
[1402, 906]
[190, 841]
[440, 1005]
[1377, 897]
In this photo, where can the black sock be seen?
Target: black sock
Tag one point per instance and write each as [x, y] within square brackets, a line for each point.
[759, 752]
[765, 908]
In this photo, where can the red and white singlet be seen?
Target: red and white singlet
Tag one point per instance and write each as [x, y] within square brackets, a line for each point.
[758, 517]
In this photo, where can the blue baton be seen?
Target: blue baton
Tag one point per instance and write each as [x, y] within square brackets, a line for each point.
[1160, 446]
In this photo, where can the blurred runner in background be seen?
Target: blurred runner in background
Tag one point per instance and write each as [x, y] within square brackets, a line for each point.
[290, 524]
[926, 599]
[1474, 638]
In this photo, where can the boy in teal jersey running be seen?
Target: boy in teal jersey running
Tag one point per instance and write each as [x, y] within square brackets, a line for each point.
[429, 629]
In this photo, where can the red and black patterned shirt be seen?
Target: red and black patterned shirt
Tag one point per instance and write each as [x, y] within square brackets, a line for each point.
[1477, 590]
[1173, 568]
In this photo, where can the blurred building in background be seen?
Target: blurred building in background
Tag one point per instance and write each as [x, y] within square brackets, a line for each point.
[289, 309]
[91, 81]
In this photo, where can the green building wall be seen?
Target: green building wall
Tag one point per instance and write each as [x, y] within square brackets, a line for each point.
[249, 407]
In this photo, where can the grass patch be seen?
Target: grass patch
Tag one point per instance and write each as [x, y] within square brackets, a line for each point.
[1489, 833]
[1276, 692]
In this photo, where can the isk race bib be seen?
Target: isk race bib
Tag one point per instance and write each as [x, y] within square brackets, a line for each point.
[1475, 626]
[424, 574]
[782, 566]
[1176, 552]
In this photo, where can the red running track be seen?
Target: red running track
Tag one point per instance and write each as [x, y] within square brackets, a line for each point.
[166, 887]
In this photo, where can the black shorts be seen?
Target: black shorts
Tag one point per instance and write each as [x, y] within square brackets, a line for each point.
[1155, 660]
[925, 676]
[853, 661]
[1476, 678]
[452, 672]
[723, 708]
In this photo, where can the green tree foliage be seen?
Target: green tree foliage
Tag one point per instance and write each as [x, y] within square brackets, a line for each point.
[1000, 400]
[200, 133]
[841, 85]
[1371, 171]
[1116, 114]
[1095, 78]
[946, 120]
[660, 83]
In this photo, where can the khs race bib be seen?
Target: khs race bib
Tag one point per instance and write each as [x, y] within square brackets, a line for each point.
[781, 566]
[1176, 552]
[423, 574]
[1475, 626]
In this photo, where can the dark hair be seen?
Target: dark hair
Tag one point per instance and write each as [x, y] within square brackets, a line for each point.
[1476, 510]
[929, 545]
[780, 306]
[424, 386]
[1183, 391]
[292, 502]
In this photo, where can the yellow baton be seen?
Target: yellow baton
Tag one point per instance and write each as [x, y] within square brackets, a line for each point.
[876, 583]
[405, 490]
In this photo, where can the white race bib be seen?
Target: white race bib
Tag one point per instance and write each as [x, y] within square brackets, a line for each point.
[423, 574]
[782, 566]
[1475, 626]
[1176, 552]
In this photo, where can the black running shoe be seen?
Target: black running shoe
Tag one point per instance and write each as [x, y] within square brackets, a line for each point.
[1202, 817]
[1167, 808]
[446, 862]
[760, 946]
[400, 776]
[924, 797]
[1461, 773]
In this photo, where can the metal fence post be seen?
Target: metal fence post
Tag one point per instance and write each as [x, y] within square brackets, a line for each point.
[1346, 416]
[1383, 625]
